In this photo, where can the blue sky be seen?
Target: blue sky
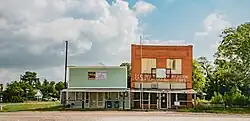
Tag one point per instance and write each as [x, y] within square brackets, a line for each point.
[181, 19]
[33, 32]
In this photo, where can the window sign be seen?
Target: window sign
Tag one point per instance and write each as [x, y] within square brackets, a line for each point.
[91, 75]
[161, 73]
[101, 75]
[97, 75]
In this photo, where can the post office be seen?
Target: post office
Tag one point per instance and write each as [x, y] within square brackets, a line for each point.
[97, 87]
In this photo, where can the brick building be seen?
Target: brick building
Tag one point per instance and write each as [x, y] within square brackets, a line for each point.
[161, 76]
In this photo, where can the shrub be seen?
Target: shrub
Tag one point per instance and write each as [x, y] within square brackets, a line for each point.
[17, 99]
[217, 99]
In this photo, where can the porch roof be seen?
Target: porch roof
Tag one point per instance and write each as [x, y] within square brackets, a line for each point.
[187, 91]
[96, 90]
[182, 91]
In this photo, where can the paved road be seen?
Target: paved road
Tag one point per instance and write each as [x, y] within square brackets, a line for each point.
[118, 116]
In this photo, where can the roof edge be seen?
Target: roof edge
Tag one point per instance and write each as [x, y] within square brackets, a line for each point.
[97, 67]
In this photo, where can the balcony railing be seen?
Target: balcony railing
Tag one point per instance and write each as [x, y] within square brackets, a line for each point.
[152, 77]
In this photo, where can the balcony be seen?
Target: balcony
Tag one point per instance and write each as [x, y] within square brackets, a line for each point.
[152, 77]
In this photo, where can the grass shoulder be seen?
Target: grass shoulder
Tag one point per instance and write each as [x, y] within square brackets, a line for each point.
[218, 110]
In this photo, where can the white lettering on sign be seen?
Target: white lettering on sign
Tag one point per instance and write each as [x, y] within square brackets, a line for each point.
[148, 77]
[101, 75]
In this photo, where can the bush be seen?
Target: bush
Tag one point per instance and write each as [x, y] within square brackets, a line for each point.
[17, 99]
[202, 104]
[217, 99]
[235, 98]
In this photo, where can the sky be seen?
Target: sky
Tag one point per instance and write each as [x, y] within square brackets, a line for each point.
[100, 32]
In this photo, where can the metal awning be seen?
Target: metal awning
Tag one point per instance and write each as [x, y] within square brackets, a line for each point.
[189, 91]
[95, 90]
[151, 91]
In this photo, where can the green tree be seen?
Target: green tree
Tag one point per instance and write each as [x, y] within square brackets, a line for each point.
[208, 70]
[45, 88]
[199, 80]
[52, 90]
[233, 58]
[13, 92]
[59, 87]
[30, 78]
[128, 65]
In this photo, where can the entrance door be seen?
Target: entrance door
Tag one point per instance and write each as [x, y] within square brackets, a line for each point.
[153, 100]
[100, 99]
[93, 99]
[164, 100]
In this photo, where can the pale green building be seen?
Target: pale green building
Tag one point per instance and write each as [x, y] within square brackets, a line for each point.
[97, 87]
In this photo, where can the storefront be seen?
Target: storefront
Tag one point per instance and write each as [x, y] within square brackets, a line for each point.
[98, 98]
[97, 88]
[161, 76]
[160, 99]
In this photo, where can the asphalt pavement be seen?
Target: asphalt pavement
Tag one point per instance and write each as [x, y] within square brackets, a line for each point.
[118, 116]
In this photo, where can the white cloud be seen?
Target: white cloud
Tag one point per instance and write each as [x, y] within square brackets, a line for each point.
[143, 7]
[206, 41]
[166, 42]
[33, 32]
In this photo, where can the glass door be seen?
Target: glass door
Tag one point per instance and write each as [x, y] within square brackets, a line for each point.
[100, 99]
[93, 99]
[163, 100]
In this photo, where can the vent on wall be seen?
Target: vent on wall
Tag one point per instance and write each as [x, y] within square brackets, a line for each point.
[154, 86]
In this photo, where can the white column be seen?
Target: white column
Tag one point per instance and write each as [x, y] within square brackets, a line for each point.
[75, 96]
[97, 100]
[159, 100]
[167, 100]
[103, 100]
[67, 96]
[170, 100]
[129, 99]
[85, 94]
[140, 100]
[176, 97]
[149, 100]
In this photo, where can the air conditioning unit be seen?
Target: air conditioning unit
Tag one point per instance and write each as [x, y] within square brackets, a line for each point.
[154, 86]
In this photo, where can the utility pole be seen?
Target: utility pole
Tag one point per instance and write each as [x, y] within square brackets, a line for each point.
[66, 65]
[141, 73]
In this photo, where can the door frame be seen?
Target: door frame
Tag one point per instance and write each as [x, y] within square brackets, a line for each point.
[167, 99]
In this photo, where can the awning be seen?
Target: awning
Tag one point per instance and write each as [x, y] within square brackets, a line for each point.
[96, 90]
[189, 91]
[151, 91]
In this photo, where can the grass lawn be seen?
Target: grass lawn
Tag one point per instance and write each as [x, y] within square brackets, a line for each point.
[219, 110]
[32, 106]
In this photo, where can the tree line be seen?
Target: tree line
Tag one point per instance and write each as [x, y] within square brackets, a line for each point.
[24, 89]
[226, 79]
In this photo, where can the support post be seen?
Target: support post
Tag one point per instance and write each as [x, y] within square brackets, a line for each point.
[149, 100]
[67, 97]
[66, 64]
[194, 100]
[167, 100]
[123, 102]
[176, 99]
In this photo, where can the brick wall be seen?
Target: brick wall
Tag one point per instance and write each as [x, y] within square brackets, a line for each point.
[161, 53]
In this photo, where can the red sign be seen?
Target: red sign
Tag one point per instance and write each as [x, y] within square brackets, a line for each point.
[148, 77]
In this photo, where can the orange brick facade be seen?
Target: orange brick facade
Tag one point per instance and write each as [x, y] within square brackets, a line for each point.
[161, 53]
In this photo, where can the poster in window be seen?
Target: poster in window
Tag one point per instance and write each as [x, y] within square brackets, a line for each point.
[101, 75]
[91, 75]
[160, 73]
